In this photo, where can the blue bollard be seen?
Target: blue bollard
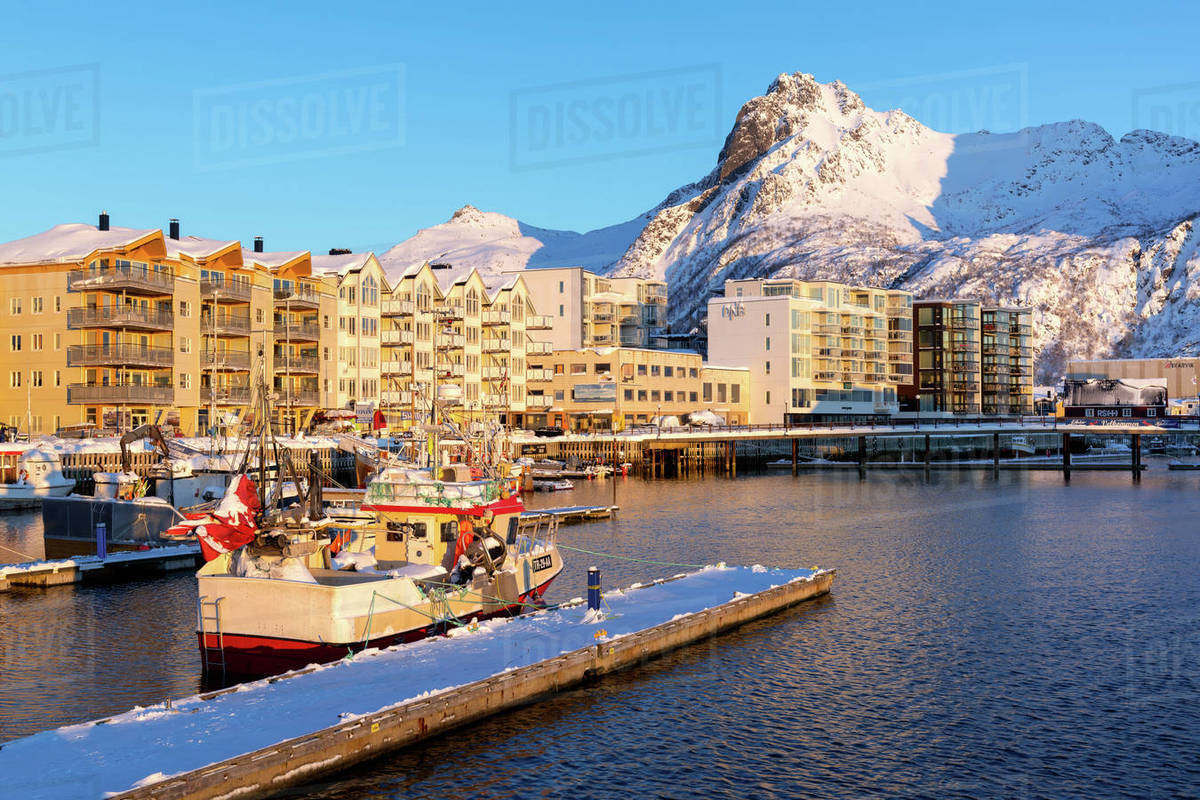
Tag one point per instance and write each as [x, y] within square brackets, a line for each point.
[102, 540]
[593, 586]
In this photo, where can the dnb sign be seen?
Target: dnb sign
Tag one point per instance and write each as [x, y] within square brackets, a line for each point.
[733, 311]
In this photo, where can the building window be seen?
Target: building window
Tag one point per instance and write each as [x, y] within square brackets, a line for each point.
[561, 311]
[641, 369]
[36, 305]
[629, 394]
[668, 396]
[768, 343]
[558, 394]
[735, 393]
[655, 395]
[36, 378]
[642, 395]
[184, 309]
[768, 320]
[767, 367]
[768, 397]
[654, 370]
[668, 372]
[57, 378]
[692, 397]
[185, 344]
[14, 379]
[57, 304]
[579, 369]
[58, 341]
[35, 342]
[259, 317]
[15, 343]
[707, 388]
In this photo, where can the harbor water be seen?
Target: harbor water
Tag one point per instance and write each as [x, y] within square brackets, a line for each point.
[1010, 636]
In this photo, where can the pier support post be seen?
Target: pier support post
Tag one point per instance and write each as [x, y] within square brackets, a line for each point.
[1135, 455]
[102, 540]
[1066, 455]
[733, 459]
[927, 454]
[996, 453]
[795, 456]
[862, 456]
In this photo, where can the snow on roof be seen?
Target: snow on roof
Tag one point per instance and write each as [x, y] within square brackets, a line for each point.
[272, 260]
[342, 264]
[72, 241]
[196, 247]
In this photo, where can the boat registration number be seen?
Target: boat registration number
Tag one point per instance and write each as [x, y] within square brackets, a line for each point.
[542, 562]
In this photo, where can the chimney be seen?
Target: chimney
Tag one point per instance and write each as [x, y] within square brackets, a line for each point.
[258, 247]
[103, 226]
[174, 229]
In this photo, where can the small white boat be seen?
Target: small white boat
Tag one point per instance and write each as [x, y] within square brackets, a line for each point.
[552, 485]
[38, 475]
[1021, 446]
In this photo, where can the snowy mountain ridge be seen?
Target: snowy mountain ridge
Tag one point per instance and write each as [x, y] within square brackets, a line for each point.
[1095, 234]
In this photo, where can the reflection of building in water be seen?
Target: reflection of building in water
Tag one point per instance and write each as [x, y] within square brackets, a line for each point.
[1116, 397]
[1180, 376]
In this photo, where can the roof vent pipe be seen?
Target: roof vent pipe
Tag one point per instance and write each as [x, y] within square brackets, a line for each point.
[174, 229]
[258, 244]
[103, 225]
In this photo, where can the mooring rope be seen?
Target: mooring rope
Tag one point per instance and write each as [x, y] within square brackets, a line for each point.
[630, 558]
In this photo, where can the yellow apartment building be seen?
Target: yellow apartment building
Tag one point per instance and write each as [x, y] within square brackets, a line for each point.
[361, 287]
[115, 327]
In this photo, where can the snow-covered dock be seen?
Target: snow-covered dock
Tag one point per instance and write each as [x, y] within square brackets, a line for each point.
[115, 566]
[258, 738]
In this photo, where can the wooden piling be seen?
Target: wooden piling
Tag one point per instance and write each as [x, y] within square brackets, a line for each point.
[1066, 455]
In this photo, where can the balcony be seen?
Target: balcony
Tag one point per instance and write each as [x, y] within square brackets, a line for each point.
[233, 360]
[129, 317]
[129, 279]
[225, 324]
[297, 331]
[494, 400]
[451, 311]
[538, 322]
[395, 398]
[119, 355]
[539, 375]
[310, 365]
[494, 373]
[396, 368]
[899, 336]
[852, 330]
[825, 376]
[396, 337]
[538, 348]
[225, 395]
[538, 401]
[829, 352]
[120, 394]
[497, 345]
[223, 292]
[297, 296]
[452, 370]
[892, 378]
[602, 340]
[496, 318]
[397, 308]
[827, 329]
[301, 397]
[450, 341]
[961, 322]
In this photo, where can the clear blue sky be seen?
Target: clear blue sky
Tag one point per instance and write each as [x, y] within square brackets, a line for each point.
[166, 138]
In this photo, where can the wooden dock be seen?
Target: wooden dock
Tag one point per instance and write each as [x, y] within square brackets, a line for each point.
[121, 565]
[567, 515]
[300, 760]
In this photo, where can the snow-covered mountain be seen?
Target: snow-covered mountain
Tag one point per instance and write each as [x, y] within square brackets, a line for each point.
[1096, 235]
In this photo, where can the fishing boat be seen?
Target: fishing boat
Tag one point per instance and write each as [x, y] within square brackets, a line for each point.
[1021, 446]
[33, 474]
[284, 587]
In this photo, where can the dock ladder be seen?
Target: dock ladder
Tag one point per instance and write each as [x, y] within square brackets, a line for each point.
[208, 662]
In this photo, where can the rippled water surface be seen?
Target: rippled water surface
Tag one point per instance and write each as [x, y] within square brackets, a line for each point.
[1012, 637]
